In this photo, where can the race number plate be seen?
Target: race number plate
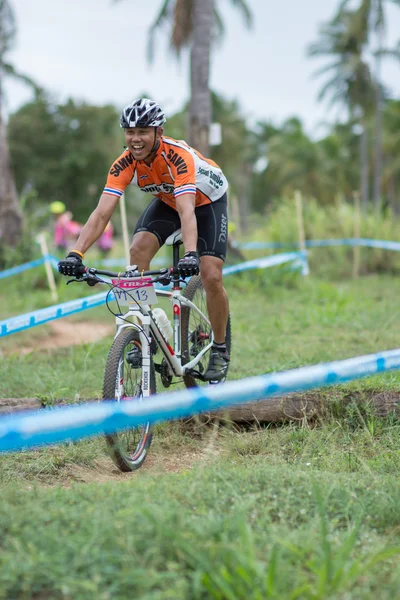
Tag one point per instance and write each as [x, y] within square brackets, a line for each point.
[129, 291]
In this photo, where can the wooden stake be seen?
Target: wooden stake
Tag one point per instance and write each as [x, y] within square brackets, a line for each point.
[300, 226]
[124, 224]
[356, 249]
[47, 265]
[300, 223]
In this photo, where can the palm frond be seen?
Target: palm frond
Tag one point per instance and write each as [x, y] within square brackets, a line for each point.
[218, 27]
[7, 27]
[10, 71]
[390, 52]
[182, 25]
[245, 10]
[327, 68]
[163, 17]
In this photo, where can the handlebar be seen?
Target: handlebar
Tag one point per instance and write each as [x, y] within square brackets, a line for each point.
[89, 275]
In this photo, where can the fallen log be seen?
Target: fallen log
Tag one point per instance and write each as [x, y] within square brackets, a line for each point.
[308, 406]
[8, 405]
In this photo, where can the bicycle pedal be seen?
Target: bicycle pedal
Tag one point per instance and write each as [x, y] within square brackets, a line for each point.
[196, 374]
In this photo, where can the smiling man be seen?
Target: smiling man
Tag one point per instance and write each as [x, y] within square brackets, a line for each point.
[189, 191]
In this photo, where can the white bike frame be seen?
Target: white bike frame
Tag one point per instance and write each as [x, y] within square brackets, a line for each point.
[147, 327]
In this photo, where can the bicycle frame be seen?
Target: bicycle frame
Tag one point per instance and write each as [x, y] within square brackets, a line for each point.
[148, 328]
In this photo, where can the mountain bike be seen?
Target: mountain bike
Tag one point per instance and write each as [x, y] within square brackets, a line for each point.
[131, 367]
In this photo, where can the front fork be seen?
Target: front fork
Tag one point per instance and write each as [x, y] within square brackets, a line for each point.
[144, 332]
[146, 355]
[176, 307]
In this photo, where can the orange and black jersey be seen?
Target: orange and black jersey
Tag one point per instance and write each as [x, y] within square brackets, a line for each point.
[177, 169]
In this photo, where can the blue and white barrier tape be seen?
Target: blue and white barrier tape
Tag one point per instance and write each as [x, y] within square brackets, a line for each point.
[26, 266]
[76, 422]
[28, 320]
[38, 317]
[266, 261]
[385, 244]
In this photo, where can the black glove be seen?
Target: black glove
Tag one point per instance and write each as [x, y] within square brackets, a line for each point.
[71, 265]
[189, 264]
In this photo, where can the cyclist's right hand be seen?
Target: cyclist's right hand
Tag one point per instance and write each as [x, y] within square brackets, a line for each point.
[71, 265]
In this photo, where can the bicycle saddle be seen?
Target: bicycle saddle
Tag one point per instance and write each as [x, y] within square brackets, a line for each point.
[174, 238]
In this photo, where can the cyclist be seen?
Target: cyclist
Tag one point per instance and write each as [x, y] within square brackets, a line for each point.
[189, 191]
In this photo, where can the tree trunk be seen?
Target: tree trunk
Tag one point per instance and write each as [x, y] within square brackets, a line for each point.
[364, 184]
[244, 197]
[392, 196]
[10, 214]
[200, 104]
[397, 200]
[379, 125]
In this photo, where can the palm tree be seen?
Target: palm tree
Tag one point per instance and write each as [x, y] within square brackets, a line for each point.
[195, 24]
[350, 84]
[391, 147]
[10, 213]
[375, 22]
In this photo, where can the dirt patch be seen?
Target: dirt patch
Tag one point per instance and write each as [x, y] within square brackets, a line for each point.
[103, 469]
[66, 333]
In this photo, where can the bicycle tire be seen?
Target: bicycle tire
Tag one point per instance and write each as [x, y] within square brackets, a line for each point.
[194, 327]
[128, 448]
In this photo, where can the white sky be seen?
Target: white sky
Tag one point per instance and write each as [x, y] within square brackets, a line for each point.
[95, 50]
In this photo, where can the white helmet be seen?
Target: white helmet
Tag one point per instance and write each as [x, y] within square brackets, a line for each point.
[142, 113]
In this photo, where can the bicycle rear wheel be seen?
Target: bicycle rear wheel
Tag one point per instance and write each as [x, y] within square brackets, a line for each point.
[123, 381]
[196, 332]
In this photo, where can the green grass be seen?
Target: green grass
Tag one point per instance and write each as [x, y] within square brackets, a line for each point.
[236, 530]
[275, 327]
[283, 512]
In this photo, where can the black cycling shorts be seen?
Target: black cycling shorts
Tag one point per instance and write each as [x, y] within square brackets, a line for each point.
[212, 225]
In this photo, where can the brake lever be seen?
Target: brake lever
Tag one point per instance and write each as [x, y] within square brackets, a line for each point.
[164, 280]
[75, 280]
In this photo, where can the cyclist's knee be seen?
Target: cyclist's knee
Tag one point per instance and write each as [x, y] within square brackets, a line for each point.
[211, 277]
[144, 246]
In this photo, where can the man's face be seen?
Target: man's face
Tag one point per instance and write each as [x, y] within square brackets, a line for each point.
[140, 140]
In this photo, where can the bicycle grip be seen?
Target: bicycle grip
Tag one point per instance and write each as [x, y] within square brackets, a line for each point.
[80, 270]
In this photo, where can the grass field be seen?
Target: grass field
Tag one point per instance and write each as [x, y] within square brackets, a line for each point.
[293, 511]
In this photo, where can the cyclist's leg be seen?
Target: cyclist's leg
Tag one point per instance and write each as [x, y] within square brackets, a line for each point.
[212, 225]
[156, 223]
[216, 296]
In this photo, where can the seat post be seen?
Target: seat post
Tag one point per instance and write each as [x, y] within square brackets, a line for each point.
[175, 250]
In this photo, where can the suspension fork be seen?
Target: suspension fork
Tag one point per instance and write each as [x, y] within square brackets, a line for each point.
[176, 307]
[146, 355]
[145, 336]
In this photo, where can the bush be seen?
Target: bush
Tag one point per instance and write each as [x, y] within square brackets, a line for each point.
[330, 222]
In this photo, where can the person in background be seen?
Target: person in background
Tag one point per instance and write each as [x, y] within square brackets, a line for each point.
[105, 241]
[66, 231]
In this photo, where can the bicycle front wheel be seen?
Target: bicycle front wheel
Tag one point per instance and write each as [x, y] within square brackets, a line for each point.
[123, 381]
[196, 331]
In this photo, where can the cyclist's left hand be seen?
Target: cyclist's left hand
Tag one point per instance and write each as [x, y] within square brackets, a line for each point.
[189, 264]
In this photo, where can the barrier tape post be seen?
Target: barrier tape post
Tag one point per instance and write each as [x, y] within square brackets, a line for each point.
[49, 272]
[356, 248]
[300, 226]
[124, 229]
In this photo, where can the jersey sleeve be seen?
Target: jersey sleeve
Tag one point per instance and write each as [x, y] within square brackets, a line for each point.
[183, 169]
[120, 175]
